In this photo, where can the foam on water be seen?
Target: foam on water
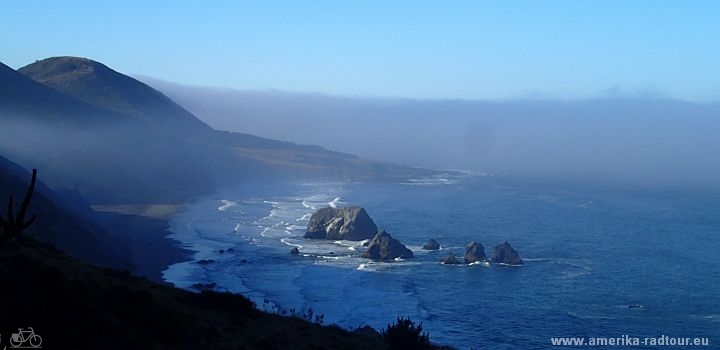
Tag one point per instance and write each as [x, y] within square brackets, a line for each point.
[227, 204]
[573, 279]
[336, 202]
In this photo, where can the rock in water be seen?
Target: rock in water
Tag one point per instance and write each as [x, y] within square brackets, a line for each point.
[294, 251]
[450, 259]
[351, 223]
[384, 247]
[505, 254]
[474, 252]
[431, 245]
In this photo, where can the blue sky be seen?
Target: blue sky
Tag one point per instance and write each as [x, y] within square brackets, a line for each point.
[434, 49]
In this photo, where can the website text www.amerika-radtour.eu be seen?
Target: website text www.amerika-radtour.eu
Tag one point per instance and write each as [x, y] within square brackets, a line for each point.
[626, 340]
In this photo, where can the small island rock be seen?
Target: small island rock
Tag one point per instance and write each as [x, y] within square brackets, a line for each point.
[450, 259]
[384, 247]
[350, 223]
[294, 251]
[431, 245]
[505, 254]
[474, 252]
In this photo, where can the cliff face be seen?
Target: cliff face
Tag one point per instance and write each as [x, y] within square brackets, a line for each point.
[351, 223]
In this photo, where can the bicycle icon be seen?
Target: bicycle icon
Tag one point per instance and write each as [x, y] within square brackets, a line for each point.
[25, 339]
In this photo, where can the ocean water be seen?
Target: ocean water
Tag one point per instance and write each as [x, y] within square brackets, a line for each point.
[589, 254]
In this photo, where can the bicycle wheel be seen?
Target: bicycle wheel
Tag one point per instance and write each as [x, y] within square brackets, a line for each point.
[35, 341]
[14, 344]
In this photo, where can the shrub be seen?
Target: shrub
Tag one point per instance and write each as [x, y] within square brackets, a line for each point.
[404, 334]
[14, 224]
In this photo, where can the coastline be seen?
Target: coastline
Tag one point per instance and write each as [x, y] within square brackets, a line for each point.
[143, 231]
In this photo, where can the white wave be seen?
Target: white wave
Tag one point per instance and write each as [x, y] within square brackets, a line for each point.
[480, 263]
[349, 244]
[271, 202]
[429, 181]
[330, 257]
[367, 267]
[336, 202]
[307, 205]
[264, 231]
[237, 228]
[537, 259]
[227, 204]
[287, 242]
[307, 216]
[296, 227]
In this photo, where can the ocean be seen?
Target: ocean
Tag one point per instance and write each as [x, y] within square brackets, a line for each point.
[598, 262]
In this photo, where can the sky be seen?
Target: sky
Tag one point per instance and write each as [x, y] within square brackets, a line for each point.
[412, 49]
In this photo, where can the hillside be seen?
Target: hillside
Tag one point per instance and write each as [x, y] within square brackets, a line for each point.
[116, 140]
[72, 305]
[59, 223]
[100, 86]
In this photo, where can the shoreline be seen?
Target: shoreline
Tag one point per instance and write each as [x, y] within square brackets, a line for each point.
[142, 234]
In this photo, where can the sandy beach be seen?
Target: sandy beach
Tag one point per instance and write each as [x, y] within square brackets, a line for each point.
[143, 229]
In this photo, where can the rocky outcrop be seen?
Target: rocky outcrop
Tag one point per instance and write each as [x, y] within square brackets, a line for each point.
[450, 259]
[351, 223]
[384, 247]
[505, 254]
[474, 252]
[431, 245]
[294, 251]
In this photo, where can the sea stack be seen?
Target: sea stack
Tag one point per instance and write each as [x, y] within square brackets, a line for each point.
[475, 252]
[431, 245]
[350, 223]
[450, 259]
[384, 247]
[505, 254]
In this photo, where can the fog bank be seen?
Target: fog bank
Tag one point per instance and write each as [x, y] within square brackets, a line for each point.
[629, 142]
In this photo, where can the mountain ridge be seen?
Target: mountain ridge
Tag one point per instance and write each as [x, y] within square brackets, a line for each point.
[144, 148]
[98, 85]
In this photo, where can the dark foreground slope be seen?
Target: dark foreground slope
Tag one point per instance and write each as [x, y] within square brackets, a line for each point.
[72, 305]
[58, 222]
